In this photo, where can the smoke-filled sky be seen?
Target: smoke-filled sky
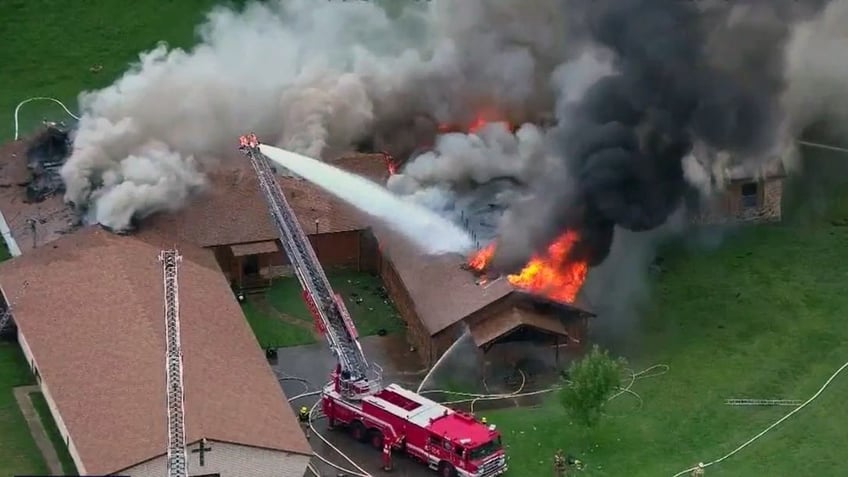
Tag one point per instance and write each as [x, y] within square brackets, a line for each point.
[635, 86]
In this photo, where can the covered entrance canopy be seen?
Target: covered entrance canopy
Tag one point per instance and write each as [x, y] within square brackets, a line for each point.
[487, 332]
[250, 259]
[254, 248]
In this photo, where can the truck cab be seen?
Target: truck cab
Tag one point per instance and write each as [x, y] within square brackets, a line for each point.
[463, 453]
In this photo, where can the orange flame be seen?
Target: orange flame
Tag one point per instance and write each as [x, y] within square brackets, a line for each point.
[550, 274]
[390, 163]
[481, 119]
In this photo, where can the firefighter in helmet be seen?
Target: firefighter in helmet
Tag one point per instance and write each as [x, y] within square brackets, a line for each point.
[698, 470]
[387, 455]
[559, 464]
[484, 421]
[303, 417]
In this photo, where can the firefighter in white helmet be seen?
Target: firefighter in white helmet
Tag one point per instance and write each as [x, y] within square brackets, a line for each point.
[698, 471]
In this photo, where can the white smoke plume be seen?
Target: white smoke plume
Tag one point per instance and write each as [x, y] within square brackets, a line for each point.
[420, 225]
[817, 71]
[307, 76]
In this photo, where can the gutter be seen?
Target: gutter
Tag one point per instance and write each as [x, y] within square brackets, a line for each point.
[11, 244]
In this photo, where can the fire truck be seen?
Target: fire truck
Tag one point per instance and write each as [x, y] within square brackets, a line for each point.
[390, 418]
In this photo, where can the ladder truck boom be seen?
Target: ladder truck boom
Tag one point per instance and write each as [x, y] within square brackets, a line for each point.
[391, 418]
[357, 377]
[177, 461]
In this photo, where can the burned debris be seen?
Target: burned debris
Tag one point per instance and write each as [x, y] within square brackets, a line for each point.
[45, 156]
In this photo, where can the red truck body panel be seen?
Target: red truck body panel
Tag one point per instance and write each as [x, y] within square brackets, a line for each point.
[422, 428]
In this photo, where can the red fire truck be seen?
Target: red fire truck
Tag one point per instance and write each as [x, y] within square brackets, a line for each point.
[391, 418]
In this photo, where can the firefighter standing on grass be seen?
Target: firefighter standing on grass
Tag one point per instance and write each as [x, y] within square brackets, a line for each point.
[698, 471]
[303, 417]
[559, 464]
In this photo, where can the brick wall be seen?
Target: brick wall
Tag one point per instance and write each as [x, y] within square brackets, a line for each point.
[369, 252]
[337, 250]
[416, 334]
[230, 460]
[729, 207]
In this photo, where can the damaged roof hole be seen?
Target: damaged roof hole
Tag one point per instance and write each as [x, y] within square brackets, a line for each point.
[45, 157]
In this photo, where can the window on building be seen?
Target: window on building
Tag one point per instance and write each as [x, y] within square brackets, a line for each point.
[750, 195]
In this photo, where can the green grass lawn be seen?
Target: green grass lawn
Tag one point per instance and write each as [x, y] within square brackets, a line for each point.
[761, 317]
[18, 452]
[49, 47]
[43, 410]
[360, 292]
[271, 332]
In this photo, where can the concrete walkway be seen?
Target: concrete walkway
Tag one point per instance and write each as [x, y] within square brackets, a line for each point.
[36, 428]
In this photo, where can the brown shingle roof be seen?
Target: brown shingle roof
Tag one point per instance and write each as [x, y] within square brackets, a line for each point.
[772, 170]
[92, 316]
[254, 248]
[492, 328]
[442, 291]
[232, 210]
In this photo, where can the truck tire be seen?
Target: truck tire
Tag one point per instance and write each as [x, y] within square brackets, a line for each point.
[447, 470]
[357, 430]
[376, 439]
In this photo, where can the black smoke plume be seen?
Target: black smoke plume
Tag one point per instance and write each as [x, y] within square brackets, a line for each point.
[678, 82]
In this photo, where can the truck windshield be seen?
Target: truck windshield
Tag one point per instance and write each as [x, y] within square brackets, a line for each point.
[485, 450]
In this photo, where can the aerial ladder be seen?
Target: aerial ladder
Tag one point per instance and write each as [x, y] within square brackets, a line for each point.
[356, 377]
[177, 460]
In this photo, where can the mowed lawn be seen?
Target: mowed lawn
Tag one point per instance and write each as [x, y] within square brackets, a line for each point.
[287, 322]
[361, 293]
[761, 317]
[50, 47]
[18, 452]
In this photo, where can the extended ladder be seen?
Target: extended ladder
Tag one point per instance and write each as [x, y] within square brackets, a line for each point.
[326, 306]
[763, 402]
[177, 461]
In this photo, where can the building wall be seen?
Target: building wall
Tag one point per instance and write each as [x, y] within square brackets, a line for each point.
[730, 206]
[334, 250]
[369, 252]
[338, 250]
[416, 334]
[230, 460]
[51, 403]
[227, 262]
[441, 341]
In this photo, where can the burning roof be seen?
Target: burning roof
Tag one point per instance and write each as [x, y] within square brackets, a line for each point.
[554, 274]
[46, 153]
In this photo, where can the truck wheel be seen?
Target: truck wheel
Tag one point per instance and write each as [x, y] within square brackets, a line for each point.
[357, 430]
[377, 439]
[447, 470]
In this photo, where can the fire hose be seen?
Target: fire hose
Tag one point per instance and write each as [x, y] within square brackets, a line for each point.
[775, 424]
[40, 98]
